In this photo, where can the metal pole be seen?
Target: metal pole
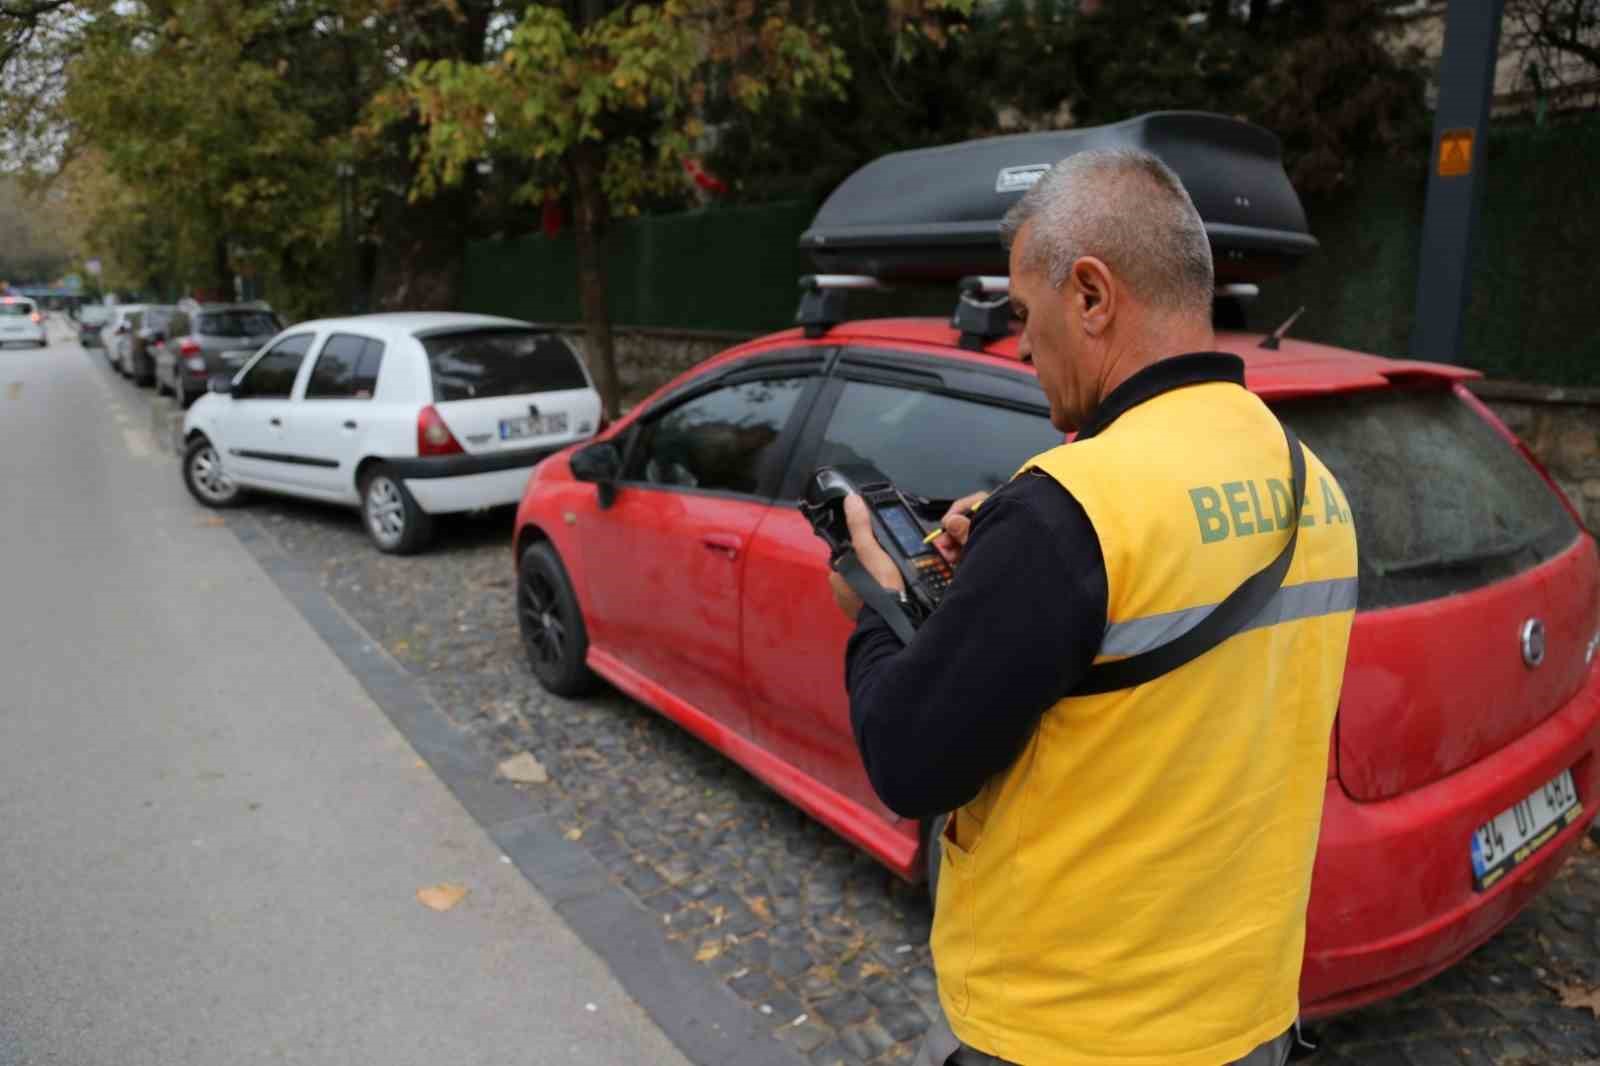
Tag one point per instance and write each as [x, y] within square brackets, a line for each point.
[1455, 177]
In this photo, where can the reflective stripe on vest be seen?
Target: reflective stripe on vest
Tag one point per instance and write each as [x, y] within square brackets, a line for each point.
[1291, 603]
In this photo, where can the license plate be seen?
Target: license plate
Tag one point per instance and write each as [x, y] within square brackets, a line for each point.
[532, 426]
[1512, 836]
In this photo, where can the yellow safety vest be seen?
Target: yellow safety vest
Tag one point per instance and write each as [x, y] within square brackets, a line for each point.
[1132, 891]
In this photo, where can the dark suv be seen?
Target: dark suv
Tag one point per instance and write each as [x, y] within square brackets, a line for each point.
[204, 339]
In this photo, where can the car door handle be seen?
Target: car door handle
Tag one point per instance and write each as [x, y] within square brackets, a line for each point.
[349, 423]
[727, 544]
[274, 421]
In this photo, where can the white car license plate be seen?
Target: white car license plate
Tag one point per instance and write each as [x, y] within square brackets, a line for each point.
[1512, 836]
[532, 426]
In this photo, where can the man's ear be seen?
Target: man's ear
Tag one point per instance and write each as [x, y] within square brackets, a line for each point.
[1094, 295]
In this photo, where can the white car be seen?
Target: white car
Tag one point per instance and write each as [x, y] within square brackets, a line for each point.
[117, 333]
[21, 322]
[405, 415]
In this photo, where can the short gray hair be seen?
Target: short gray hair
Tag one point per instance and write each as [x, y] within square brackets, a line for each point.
[1128, 209]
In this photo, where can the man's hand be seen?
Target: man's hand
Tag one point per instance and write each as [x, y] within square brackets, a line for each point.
[957, 525]
[872, 556]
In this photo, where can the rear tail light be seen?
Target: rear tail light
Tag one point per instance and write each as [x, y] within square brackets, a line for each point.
[189, 346]
[37, 317]
[433, 436]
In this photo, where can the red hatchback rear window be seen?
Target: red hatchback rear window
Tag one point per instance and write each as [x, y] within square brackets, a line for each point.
[1442, 504]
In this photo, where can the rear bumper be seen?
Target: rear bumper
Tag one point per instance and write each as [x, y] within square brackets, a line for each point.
[1392, 901]
[442, 490]
[451, 466]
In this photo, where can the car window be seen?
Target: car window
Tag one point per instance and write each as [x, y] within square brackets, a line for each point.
[722, 440]
[347, 368]
[912, 437]
[178, 325]
[157, 318]
[500, 362]
[236, 323]
[16, 308]
[272, 375]
[93, 315]
[1442, 504]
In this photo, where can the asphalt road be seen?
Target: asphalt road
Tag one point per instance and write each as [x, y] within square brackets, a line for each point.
[210, 838]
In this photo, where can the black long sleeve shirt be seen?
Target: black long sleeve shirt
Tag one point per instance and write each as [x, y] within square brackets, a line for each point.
[1018, 629]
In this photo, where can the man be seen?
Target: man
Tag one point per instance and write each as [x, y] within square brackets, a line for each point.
[1125, 873]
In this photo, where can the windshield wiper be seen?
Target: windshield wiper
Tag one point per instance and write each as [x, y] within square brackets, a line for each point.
[1452, 562]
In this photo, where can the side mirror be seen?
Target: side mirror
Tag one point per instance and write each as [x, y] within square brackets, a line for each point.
[600, 463]
[221, 384]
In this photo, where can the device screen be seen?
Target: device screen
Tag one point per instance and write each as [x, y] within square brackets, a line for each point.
[907, 534]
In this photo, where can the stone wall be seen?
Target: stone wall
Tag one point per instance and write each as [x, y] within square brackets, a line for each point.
[1562, 428]
[649, 358]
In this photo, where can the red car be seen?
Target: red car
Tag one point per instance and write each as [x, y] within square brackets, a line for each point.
[668, 558]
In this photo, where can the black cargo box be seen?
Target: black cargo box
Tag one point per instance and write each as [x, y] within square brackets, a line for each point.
[933, 214]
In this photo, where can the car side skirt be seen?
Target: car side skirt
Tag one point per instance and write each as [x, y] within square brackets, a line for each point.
[896, 846]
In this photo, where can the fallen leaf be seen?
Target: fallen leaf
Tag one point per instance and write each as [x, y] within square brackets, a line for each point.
[1578, 997]
[523, 769]
[872, 969]
[212, 520]
[718, 915]
[758, 907]
[441, 897]
[708, 951]
[420, 765]
[573, 834]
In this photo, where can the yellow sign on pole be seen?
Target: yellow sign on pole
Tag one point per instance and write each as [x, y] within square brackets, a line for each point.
[1455, 153]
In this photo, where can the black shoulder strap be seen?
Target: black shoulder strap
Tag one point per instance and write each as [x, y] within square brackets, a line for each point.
[1227, 618]
[875, 595]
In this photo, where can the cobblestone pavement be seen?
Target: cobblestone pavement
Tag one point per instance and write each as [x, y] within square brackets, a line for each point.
[812, 934]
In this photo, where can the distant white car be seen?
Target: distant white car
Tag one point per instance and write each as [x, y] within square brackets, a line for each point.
[117, 333]
[21, 322]
[404, 415]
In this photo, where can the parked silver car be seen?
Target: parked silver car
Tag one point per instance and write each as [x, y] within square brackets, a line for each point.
[206, 339]
[117, 333]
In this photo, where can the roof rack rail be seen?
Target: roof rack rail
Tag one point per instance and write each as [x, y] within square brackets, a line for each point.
[983, 310]
[823, 298]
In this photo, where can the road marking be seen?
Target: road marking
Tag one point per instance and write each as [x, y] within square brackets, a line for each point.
[138, 443]
[14, 390]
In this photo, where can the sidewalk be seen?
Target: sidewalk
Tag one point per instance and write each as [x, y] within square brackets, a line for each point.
[213, 839]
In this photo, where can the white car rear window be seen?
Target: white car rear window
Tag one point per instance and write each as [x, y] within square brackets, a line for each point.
[474, 364]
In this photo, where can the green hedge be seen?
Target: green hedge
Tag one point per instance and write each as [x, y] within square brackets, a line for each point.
[716, 269]
[1534, 315]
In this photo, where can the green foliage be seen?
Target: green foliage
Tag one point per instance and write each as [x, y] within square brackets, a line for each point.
[35, 245]
[633, 82]
[1320, 75]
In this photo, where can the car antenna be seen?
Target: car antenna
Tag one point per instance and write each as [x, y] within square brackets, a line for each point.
[1272, 340]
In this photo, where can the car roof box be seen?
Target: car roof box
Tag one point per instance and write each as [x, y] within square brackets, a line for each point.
[933, 214]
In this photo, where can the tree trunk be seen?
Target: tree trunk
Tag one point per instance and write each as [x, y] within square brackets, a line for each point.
[590, 201]
[421, 248]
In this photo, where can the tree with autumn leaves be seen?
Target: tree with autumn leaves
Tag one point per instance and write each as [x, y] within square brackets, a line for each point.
[608, 107]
